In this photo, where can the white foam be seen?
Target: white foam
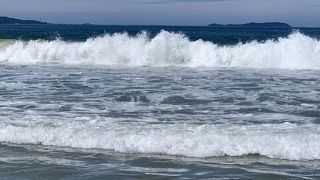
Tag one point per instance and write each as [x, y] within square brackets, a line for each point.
[297, 51]
[282, 141]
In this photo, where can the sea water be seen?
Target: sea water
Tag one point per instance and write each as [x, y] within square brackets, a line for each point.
[156, 102]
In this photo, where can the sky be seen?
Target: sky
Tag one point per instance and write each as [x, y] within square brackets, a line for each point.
[165, 12]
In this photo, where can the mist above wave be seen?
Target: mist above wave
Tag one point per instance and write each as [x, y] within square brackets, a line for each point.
[297, 51]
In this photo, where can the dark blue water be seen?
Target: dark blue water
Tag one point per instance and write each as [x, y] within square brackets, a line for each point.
[220, 35]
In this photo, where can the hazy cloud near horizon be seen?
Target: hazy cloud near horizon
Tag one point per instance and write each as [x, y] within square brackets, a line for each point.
[172, 12]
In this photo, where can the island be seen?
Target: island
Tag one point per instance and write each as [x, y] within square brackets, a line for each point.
[13, 21]
[255, 25]
[7, 20]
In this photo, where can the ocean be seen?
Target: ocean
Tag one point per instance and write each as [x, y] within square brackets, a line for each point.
[159, 102]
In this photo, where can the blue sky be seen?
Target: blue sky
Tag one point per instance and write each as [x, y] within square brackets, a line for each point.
[165, 12]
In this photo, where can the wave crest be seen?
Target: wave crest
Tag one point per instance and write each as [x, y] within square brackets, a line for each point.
[297, 51]
[281, 141]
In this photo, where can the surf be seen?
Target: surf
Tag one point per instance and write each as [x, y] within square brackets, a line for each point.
[297, 51]
[280, 141]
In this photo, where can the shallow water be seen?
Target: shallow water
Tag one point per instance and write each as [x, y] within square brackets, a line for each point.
[40, 162]
[143, 122]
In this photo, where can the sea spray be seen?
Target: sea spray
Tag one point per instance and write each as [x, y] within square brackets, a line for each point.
[297, 51]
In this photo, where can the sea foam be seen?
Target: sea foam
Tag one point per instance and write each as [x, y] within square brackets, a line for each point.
[297, 51]
[281, 141]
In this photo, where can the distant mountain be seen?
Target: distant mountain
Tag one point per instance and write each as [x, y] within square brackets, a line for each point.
[7, 20]
[253, 24]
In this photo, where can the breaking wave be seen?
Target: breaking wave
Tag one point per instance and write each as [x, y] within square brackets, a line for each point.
[280, 141]
[297, 51]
